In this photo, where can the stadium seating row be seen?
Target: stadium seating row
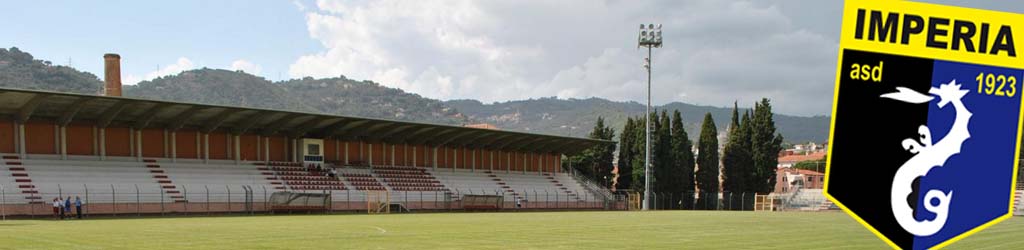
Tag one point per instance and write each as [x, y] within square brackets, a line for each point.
[154, 181]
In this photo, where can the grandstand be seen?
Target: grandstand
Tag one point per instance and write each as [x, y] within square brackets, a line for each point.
[147, 156]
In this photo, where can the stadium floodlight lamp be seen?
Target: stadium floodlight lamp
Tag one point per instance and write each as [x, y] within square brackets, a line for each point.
[650, 37]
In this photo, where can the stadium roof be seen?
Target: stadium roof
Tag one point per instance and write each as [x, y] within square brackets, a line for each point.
[22, 105]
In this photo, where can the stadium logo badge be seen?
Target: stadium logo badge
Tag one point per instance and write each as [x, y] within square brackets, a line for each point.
[925, 136]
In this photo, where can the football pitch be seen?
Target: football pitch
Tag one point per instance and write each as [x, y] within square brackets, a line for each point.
[512, 230]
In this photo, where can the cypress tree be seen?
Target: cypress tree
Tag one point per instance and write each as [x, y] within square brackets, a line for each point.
[766, 144]
[732, 181]
[638, 145]
[682, 154]
[664, 169]
[707, 164]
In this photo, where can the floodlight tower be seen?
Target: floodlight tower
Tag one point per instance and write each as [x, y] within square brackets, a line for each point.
[650, 37]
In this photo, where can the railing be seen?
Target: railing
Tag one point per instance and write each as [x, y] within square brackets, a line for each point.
[589, 183]
[138, 200]
[725, 201]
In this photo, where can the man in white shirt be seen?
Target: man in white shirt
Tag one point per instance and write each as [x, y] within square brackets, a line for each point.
[56, 208]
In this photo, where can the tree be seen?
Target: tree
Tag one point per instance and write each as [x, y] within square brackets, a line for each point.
[813, 165]
[602, 155]
[707, 164]
[596, 162]
[749, 174]
[737, 162]
[639, 146]
[626, 155]
[663, 163]
[682, 154]
[765, 146]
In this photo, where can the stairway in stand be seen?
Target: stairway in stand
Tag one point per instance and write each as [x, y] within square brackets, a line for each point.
[271, 176]
[22, 179]
[504, 186]
[826, 205]
[164, 181]
[562, 187]
[1018, 200]
[297, 177]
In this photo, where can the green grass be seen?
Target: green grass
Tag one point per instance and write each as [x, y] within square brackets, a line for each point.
[553, 230]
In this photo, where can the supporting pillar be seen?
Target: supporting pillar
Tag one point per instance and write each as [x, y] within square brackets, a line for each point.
[473, 165]
[199, 146]
[540, 164]
[259, 148]
[414, 156]
[95, 141]
[508, 165]
[392, 155]
[103, 144]
[63, 143]
[491, 153]
[138, 145]
[206, 148]
[174, 146]
[238, 149]
[371, 155]
[526, 162]
[435, 158]
[131, 142]
[21, 140]
[346, 153]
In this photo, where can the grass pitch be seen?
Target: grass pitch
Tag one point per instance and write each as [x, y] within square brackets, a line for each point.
[550, 230]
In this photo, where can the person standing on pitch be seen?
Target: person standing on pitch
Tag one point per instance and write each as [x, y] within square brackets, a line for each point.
[67, 207]
[59, 206]
[78, 207]
[56, 208]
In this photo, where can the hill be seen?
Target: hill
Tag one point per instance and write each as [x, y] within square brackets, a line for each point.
[219, 87]
[338, 95]
[343, 96]
[575, 117]
[19, 69]
[368, 99]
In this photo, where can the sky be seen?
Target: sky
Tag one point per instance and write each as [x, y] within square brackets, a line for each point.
[715, 52]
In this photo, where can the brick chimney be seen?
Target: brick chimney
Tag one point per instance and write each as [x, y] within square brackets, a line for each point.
[112, 75]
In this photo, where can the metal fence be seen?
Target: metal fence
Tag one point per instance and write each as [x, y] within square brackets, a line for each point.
[122, 200]
[702, 201]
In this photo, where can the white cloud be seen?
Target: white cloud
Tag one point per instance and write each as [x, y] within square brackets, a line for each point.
[715, 51]
[182, 64]
[246, 66]
[299, 5]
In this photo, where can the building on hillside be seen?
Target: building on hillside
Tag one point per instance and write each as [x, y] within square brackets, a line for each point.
[789, 179]
[803, 149]
[789, 161]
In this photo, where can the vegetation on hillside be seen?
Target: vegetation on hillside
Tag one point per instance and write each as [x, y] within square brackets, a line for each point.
[19, 69]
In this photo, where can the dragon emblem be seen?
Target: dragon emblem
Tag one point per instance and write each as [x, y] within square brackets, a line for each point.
[928, 155]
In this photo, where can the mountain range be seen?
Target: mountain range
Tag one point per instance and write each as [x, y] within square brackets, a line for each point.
[343, 96]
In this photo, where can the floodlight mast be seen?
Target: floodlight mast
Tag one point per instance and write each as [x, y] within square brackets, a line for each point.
[650, 37]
